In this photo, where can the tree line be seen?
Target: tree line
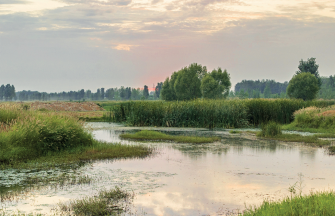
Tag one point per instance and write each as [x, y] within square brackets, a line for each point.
[123, 93]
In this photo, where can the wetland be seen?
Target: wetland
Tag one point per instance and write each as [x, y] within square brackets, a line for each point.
[220, 178]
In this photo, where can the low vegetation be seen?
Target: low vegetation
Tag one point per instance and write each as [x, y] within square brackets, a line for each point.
[159, 136]
[314, 119]
[320, 203]
[107, 202]
[35, 137]
[272, 130]
[209, 113]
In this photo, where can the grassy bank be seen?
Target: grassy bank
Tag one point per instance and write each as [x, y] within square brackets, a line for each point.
[33, 137]
[159, 136]
[209, 113]
[314, 119]
[320, 203]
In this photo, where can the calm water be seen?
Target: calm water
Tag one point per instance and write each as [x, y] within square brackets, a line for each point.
[184, 179]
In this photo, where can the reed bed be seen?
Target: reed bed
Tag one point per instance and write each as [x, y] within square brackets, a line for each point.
[197, 113]
[209, 113]
[278, 110]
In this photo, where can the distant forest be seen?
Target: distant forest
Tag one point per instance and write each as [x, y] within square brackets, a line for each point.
[123, 93]
[273, 89]
[243, 89]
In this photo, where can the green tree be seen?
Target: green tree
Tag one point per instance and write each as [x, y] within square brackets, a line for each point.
[223, 80]
[158, 90]
[187, 85]
[167, 92]
[303, 86]
[146, 92]
[311, 67]
[210, 87]
[267, 91]
[243, 94]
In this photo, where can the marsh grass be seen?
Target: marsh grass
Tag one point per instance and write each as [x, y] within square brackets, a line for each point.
[318, 203]
[159, 136]
[271, 129]
[107, 202]
[314, 119]
[33, 137]
[98, 151]
[209, 113]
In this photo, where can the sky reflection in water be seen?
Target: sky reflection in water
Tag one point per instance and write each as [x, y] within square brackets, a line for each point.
[184, 179]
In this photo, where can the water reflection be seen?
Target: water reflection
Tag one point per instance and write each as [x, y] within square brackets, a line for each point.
[198, 179]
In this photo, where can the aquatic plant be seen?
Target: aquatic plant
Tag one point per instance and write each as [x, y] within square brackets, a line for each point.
[107, 202]
[155, 135]
[271, 129]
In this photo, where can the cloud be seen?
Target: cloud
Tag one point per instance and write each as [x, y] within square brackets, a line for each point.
[125, 47]
[13, 2]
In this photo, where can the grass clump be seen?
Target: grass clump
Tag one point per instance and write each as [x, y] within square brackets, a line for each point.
[271, 129]
[320, 203]
[155, 135]
[38, 134]
[107, 202]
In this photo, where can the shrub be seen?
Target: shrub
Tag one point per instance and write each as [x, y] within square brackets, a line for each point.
[34, 134]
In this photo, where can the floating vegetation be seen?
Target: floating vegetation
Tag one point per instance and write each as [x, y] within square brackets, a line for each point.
[159, 136]
[107, 202]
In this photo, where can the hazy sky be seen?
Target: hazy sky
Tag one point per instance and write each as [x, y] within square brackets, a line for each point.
[56, 45]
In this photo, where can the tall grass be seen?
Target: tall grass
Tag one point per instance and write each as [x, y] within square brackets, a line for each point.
[271, 129]
[315, 118]
[210, 113]
[33, 134]
[320, 203]
[278, 110]
[197, 113]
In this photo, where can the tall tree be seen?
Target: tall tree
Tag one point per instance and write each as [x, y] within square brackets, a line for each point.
[146, 92]
[102, 93]
[223, 82]
[311, 67]
[187, 85]
[303, 86]
[158, 89]
[267, 91]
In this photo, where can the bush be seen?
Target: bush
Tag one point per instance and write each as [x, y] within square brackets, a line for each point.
[271, 129]
[34, 134]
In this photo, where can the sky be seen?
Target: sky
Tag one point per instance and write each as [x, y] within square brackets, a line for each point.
[63, 45]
